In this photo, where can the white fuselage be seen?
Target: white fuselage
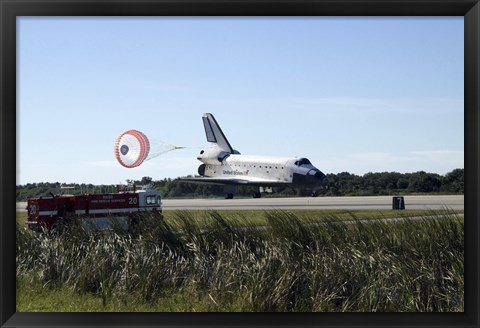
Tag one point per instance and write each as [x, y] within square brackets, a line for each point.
[278, 169]
[224, 165]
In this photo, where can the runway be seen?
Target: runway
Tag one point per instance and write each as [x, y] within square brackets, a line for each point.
[454, 202]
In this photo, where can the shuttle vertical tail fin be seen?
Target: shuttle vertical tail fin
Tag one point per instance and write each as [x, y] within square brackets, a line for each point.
[214, 133]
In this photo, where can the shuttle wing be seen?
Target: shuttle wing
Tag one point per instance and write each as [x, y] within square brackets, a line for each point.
[237, 181]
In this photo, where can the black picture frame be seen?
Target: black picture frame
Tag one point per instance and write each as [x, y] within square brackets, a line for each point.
[10, 10]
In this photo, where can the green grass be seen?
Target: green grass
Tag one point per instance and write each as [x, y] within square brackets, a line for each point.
[33, 296]
[240, 261]
[21, 218]
[258, 216]
[247, 217]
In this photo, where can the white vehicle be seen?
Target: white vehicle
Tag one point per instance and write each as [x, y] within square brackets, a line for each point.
[224, 165]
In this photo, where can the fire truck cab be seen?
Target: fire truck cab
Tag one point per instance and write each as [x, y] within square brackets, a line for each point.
[92, 211]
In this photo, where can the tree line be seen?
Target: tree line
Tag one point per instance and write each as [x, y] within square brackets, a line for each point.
[340, 184]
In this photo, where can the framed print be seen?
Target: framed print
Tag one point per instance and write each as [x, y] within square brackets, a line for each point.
[368, 86]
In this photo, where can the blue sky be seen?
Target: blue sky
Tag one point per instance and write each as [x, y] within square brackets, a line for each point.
[351, 94]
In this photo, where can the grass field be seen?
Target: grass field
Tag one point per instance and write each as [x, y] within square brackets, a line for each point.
[249, 261]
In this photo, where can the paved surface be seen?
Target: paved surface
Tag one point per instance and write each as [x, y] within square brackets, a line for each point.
[345, 203]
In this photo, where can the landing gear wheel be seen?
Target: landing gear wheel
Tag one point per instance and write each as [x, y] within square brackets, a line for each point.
[257, 195]
[314, 193]
[228, 196]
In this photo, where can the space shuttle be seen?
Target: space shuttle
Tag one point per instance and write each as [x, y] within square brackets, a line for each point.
[221, 164]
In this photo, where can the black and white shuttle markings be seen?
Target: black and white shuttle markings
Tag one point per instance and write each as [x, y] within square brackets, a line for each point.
[221, 164]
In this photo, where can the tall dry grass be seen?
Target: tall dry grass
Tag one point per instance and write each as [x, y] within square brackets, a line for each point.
[289, 265]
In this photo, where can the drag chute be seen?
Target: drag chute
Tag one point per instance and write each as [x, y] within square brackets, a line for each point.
[132, 148]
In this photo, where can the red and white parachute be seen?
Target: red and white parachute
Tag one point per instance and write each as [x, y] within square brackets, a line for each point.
[132, 148]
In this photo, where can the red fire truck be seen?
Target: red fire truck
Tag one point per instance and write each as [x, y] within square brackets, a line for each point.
[97, 211]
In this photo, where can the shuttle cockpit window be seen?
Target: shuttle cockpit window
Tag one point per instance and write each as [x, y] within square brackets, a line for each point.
[302, 161]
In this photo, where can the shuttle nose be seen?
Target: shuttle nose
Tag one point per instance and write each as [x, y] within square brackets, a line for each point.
[317, 177]
[321, 177]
